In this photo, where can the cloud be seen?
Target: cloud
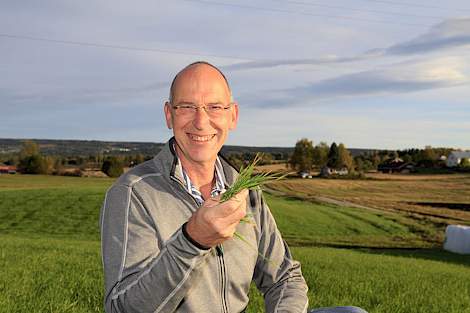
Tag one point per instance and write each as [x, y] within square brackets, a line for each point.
[448, 34]
[63, 98]
[275, 63]
[397, 78]
[452, 33]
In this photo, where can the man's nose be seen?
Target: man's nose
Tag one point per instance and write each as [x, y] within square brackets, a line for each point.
[201, 118]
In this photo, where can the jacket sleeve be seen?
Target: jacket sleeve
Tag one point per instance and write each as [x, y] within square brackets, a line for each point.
[277, 275]
[141, 276]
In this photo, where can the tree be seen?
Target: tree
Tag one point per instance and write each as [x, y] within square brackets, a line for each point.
[31, 160]
[429, 154]
[139, 158]
[28, 149]
[392, 155]
[302, 158]
[375, 159]
[407, 158]
[236, 160]
[58, 166]
[266, 158]
[113, 166]
[49, 162]
[320, 154]
[428, 157]
[333, 157]
[465, 163]
[344, 157]
[34, 164]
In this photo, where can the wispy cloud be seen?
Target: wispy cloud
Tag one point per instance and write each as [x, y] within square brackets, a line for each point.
[56, 98]
[312, 61]
[395, 79]
[452, 33]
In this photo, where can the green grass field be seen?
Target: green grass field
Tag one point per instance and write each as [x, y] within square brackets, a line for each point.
[50, 257]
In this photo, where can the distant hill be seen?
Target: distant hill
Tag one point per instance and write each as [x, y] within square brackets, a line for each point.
[95, 147]
[82, 147]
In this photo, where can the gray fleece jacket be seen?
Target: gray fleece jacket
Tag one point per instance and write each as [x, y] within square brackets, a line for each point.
[151, 265]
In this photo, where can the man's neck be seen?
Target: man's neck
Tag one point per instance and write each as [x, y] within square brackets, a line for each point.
[201, 174]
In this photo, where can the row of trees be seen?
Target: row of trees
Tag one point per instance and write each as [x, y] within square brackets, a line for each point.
[30, 161]
[306, 156]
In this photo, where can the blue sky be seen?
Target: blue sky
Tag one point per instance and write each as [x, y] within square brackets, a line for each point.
[368, 73]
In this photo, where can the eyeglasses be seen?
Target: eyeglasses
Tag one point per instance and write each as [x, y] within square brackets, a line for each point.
[213, 110]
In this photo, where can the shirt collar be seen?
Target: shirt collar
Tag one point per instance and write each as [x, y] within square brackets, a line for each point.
[217, 189]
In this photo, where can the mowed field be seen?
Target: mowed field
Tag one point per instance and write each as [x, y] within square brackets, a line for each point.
[426, 203]
[50, 252]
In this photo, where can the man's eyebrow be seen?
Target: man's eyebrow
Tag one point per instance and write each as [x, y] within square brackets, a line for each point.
[186, 102]
[192, 103]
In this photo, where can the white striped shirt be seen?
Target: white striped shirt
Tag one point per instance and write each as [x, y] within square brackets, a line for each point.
[217, 189]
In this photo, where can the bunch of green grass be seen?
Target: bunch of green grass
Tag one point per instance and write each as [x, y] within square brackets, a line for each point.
[246, 180]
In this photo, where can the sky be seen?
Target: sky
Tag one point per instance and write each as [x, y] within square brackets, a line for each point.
[382, 74]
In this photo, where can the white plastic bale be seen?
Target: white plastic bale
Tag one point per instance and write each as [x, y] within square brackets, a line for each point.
[457, 239]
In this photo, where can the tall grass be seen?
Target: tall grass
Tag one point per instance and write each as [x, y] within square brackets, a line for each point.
[64, 275]
[50, 257]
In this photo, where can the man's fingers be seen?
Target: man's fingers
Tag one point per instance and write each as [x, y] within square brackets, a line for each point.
[231, 206]
[241, 196]
[212, 201]
[236, 215]
[238, 199]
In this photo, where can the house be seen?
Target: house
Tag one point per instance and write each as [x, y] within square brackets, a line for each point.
[396, 165]
[327, 171]
[455, 157]
[8, 169]
[341, 172]
[305, 174]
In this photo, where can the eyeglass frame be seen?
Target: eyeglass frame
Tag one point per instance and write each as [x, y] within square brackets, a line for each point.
[198, 107]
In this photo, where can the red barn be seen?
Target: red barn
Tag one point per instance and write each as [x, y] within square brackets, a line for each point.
[7, 169]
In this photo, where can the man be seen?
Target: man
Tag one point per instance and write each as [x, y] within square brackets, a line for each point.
[167, 242]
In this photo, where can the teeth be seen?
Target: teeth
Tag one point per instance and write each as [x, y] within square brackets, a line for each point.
[201, 138]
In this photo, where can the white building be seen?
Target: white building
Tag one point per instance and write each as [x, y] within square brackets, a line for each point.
[455, 157]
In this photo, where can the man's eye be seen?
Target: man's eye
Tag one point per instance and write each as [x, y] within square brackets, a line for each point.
[215, 107]
[187, 107]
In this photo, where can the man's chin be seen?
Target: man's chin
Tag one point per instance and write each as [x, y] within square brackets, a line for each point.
[206, 156]
[199, 155]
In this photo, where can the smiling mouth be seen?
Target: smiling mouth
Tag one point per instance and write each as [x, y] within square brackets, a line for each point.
[201, 138]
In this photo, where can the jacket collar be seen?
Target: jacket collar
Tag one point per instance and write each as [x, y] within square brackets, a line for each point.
[166, 162]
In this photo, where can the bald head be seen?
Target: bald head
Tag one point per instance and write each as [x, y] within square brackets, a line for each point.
[201, 113]
[194, 70]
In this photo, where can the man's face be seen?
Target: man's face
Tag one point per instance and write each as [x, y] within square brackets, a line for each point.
[199, 137]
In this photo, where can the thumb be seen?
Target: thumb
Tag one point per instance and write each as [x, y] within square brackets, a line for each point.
[212, 201]
[242, 195]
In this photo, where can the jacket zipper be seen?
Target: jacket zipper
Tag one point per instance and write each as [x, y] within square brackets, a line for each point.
[220, 259]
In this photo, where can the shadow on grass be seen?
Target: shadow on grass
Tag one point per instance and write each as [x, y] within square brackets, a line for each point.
[425, 254]
[444, 205]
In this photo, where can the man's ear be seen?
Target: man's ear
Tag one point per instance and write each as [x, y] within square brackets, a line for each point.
[233, 116]
[168, 116]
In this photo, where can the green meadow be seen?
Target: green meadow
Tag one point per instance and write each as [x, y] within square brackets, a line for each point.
[50, 252]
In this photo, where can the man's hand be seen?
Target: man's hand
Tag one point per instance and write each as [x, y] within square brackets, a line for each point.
[215, 222]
